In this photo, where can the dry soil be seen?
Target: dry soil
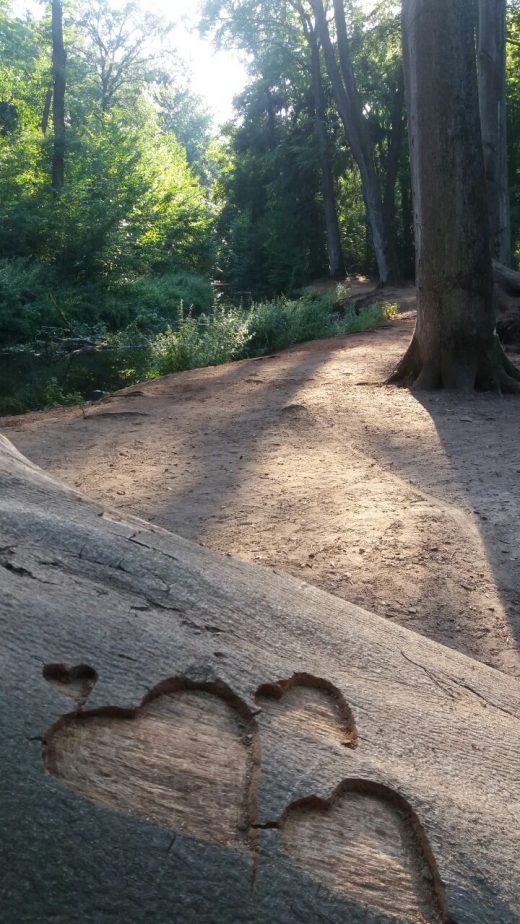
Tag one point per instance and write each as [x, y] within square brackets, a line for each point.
[304, 462]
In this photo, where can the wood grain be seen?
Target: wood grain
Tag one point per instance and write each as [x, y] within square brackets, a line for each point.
[186, 758]
[366, 843]
[146, 806]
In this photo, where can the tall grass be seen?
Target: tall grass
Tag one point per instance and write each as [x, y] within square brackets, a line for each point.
[230, 333]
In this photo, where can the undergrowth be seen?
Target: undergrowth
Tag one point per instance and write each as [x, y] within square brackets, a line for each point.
[153, 345]
[229, 333]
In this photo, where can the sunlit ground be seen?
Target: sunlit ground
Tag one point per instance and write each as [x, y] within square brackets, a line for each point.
[400, 506]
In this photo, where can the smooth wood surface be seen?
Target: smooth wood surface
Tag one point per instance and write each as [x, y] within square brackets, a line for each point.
[188, 738]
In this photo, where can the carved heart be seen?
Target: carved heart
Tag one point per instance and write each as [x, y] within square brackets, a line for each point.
[188, 758]
[76, 682]
[185, 758]
[366, 843]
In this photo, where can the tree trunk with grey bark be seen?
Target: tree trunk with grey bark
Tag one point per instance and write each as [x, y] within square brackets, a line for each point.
[454, 344]
[491, 48]
[58, 99]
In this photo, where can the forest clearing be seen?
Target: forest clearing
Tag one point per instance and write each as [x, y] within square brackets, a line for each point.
[304, 462]
[259, 470]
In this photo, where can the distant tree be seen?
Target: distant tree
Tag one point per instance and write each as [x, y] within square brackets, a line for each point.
[280, 213]
[59, 58]
[350, 107]
[334, 247]
[117, 44]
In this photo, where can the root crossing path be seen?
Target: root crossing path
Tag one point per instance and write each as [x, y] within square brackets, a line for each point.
[302, 462]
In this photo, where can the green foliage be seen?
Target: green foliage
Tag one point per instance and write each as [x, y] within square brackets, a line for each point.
[229, 333]
[133, 230]
[54, 396]
[35, 296]
[208, 340]
[164, 294]
[20, 280]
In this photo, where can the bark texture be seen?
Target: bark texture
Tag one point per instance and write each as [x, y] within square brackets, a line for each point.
[184, 737]
[58, 98]
[46, 111]
[491, 46]
[350, 110]
[395, 148]
[455, 344]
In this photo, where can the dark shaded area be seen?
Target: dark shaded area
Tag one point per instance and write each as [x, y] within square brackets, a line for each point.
[32, 381]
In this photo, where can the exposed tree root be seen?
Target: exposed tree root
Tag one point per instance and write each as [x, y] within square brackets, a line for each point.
[408, 369]
[505, 277]
[492, 370]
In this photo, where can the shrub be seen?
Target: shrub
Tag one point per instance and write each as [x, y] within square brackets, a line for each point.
[33, 296]
[229, 333]
[55, 396]
[163, 295]
[209, 340]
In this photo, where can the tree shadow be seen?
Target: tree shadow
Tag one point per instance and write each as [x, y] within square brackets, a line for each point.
[464, 462]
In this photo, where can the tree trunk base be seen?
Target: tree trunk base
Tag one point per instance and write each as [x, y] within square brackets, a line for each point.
[490, 370]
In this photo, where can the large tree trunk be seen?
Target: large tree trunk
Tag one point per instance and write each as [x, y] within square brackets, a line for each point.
[454, 344]
[334, 249]
[58, 99]
[492, 97]
[253, 750]
[350, 111]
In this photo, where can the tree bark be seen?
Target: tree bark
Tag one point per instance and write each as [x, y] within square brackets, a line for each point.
[334, 249]
[46, 111]
[506, 278]
[231, 744]
[395, 147]
[350, 111]
[58, 99]
[491, 47]
[454, 344]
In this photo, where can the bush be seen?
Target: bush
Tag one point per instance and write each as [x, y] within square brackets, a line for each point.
[163, 295]
[280, 323]
[33, 296]
[206, 341]
[54, 395]
[229, 333]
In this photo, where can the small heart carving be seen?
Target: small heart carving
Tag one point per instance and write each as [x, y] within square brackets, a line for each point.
[185, 758]
[77, 682]
[367, 844]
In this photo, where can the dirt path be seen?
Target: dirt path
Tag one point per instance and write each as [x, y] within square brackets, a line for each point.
[407, 506]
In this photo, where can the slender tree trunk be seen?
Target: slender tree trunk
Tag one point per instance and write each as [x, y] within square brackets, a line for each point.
[334, 250]
[408, 248]
[351, 113]
[454, 344]
[58, 99]
[395, 147]
[46, 111]
[492, 97]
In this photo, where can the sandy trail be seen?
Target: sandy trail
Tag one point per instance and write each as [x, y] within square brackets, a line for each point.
[407, 506]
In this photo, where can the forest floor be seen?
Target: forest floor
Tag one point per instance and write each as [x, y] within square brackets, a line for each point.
[406, 504]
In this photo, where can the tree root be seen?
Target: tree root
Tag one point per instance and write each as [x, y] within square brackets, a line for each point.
[491, 371]
[408, 369]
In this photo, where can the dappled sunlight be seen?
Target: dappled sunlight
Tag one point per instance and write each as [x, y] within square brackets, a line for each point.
[390, 503]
